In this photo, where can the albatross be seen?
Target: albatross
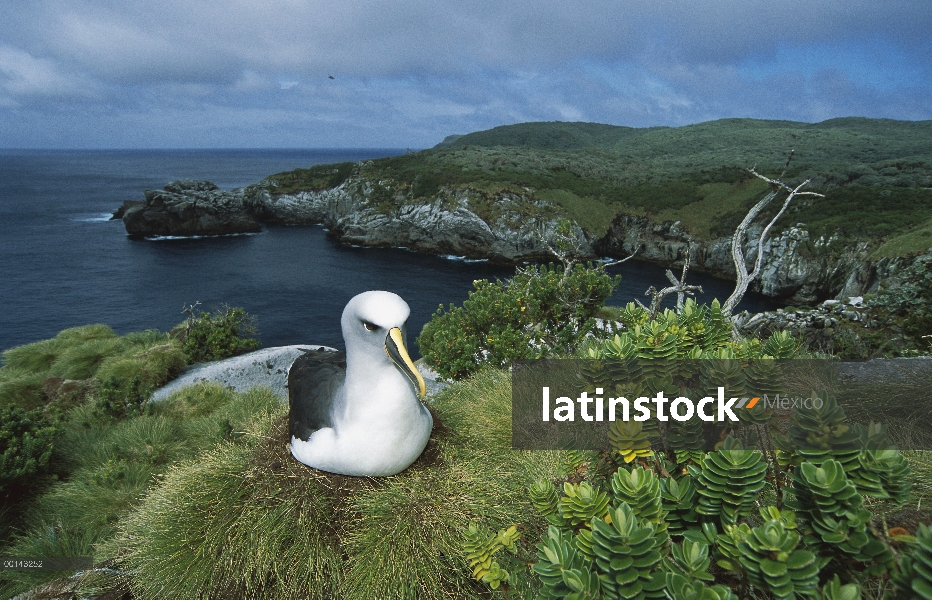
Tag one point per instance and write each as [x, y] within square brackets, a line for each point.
[359, 413]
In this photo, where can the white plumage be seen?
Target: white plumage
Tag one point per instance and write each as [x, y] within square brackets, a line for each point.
[367, 420]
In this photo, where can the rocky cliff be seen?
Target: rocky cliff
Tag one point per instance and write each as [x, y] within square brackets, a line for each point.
[353, 215]
[508, 227]
[794, 266]
[444, 225]
[188, 207]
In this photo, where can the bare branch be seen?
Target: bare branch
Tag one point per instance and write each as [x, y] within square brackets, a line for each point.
[743, 278]
[679, 288]
[626, 259]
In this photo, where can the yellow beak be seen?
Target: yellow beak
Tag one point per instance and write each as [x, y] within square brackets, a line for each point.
[395, 348]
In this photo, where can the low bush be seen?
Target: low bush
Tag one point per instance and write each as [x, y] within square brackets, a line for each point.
[26, 441]
[221, 334]
[122, 398]
[541, 311]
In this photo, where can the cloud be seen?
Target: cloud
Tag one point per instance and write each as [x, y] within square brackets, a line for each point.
[24, 77]
[416, 70]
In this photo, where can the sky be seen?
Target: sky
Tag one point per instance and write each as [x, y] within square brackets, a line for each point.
[407, 73]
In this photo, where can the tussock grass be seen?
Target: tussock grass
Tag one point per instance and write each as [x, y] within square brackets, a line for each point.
[113, 464]
[81, 361]
[50, 539]
[80, 353]
[22, 388]
[33, 358]
[920, 462]
[154, 363]
[248, 521]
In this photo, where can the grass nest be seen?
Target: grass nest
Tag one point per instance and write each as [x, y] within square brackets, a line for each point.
[245, 520]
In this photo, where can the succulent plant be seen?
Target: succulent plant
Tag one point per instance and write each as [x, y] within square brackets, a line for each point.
[833, 590]
[780, 345]
[833, 509]
[718, 328]
[729, 481]
[679, 501]
[544, 499]
[681, 588]
[914, 578]
[627, 556]
[480, 549]
[883, 474]
[691, 559]
[581, 503]
[563, 572]
[721, 369]
[819, 432]
[654, 341]
[727, 546]
[687, 439]
[630, 440]
[583, 541]
[639, 488]
[774, 564]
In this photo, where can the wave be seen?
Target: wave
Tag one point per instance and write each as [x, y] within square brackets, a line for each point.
[464, 259]
[163, 238]
[98, 218]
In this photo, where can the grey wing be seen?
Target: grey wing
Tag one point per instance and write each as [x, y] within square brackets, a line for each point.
[313, 380]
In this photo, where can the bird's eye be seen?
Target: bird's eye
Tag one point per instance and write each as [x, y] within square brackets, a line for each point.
[370, 326]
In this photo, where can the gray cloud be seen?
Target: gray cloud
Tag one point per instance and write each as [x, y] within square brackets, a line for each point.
[408, 72]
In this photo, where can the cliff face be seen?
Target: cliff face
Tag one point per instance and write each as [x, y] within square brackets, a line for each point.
[795, 267]
[442, 226]
[188, 207]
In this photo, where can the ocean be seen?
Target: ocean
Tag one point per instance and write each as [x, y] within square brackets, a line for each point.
[63, 263]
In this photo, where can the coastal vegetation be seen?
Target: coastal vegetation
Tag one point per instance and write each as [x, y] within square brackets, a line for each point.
[542, 311]
[875, 175]
[197, 496]
[78, 439]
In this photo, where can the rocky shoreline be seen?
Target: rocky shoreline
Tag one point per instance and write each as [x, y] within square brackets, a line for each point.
[796, 268]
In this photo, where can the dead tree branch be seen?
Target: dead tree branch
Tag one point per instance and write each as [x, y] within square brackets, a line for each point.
[679, 288]
[744, 278]
[623, 260]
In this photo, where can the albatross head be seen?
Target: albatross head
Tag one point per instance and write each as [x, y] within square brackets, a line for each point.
[373, 326]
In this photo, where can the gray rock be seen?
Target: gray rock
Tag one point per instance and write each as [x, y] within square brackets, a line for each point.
[187, 208]
[266, 368]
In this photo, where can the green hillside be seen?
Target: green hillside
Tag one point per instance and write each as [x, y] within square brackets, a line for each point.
[876, 174]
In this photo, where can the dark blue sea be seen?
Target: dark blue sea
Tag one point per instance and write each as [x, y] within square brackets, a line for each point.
[63, 263]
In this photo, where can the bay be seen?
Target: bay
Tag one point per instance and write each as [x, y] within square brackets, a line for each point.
[64, 264]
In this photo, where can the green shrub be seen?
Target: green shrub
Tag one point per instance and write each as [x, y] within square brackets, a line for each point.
[122, 398]
[221, 334]
[541, 311]
[26, 441]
